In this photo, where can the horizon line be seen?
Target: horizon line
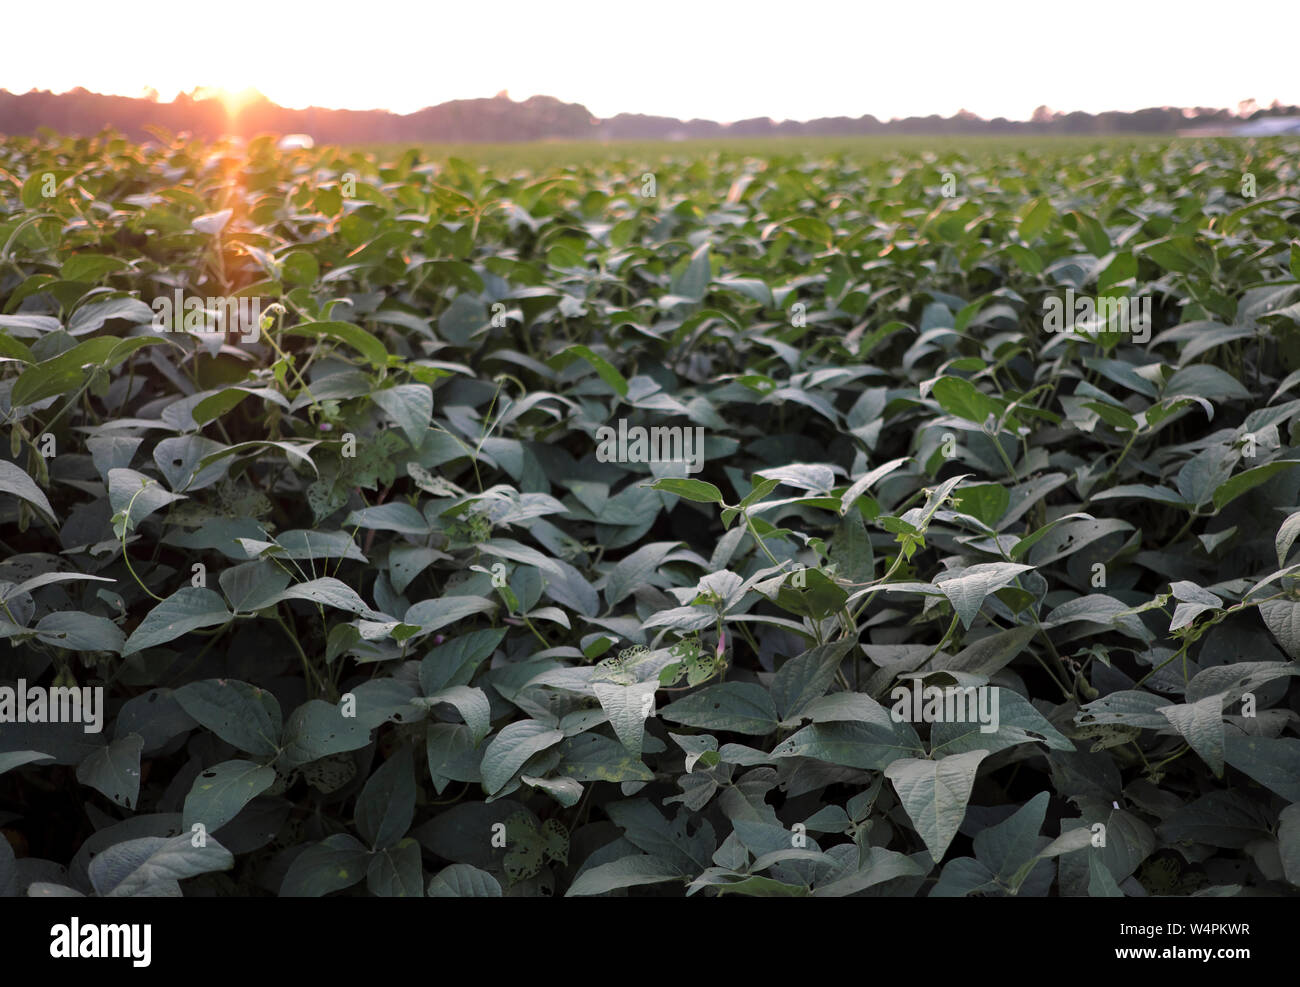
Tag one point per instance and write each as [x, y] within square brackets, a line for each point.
[215, 93]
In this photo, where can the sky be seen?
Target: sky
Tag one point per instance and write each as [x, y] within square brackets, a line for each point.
[713, 59]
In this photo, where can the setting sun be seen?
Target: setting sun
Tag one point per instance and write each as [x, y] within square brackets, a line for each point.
[236, 101]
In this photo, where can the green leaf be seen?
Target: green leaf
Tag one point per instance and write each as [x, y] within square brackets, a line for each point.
[12, 349]
[935, 794]
[178, 460]
[592, 757]
[960, 397]
[300, 267]
[1288, 832]
[752, 288]
[1204, 381]
[1019, 549]
[1027, 259]
[472, 704]
[135, 496]
[1101, 883]
[221, 791]
[216, 405]
[253, 585]
[1286, 536]
[14, 481]
[16, 759]
[1125, 707]
[1208, 336]
[94, 314]
[803, 679]
[363, 342]
[317, 729]
[1036, 219]
[1231, 681]
[628, 708]
[134, 867]
[386, 804]
[77, 631]
[90, 268]
[871, 745]
[685, 841]
[1006, 847]
[1143, 491]
[46, 579]
[696, 490]
[1092, 233]
[753, 885]
[1113, 415]
[29, 326]
[864, 483]
[337, 862]
[410, 405]
[453, 662]
[1017, 723]
[238, 713]
[967, 589]
[700, 749]
[433, 615]
[1283, 618]
[1274, 762]
[880, 865]
[511, 748]
[850, 550]
[986, 501]
[1248, 480]
[565, 791]
[463, 881]
[212, 223]
[396, 516]
[188, 609]
[626, 872]
[810, 593]
[1201, 724]
[1182, 254]
[115, 770]
[1072, 536]
[812, 228]
[396, 872]
[741, 707]
[693, 281]
[406, 562]
[635, 570]
[606, 370]
[464, 318]
[328, 591]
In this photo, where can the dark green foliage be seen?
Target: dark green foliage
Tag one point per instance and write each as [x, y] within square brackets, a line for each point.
[378, 606]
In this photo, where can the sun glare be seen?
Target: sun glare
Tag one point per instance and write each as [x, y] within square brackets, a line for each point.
[234, 100]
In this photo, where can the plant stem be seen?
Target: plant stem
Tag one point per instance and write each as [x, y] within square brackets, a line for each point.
[749, 523]
[308, 668]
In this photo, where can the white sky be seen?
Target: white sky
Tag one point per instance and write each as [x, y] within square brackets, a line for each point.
[787, 59]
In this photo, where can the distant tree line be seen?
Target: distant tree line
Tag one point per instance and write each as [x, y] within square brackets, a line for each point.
[501, 119]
